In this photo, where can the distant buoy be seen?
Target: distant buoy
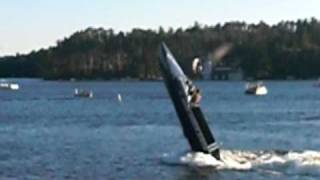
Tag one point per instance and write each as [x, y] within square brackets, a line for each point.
[119, 98]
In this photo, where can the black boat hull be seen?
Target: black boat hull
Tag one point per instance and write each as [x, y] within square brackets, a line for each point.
[192, 120]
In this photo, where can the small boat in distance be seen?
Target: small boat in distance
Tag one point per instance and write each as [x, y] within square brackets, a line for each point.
[317, 83]
[257, 88]
[83, 93]
[8, 86]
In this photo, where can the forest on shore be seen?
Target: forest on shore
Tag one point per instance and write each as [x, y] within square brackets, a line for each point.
[289, 49]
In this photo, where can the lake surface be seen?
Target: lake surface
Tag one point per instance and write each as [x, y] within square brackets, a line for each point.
[46, 133]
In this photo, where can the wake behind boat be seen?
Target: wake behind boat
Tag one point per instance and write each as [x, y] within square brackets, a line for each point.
[186, 99]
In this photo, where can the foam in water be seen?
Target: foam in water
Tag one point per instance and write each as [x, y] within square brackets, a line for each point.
[276, 162]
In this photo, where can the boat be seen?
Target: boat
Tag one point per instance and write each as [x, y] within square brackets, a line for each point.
[317, 83]
[9, 86]
[193, 122]
[257, 88]
[83, 93]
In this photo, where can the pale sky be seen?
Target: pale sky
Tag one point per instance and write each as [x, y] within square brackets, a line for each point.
[27, 25]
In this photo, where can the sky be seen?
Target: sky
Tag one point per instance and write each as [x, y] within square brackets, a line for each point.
[27, 25]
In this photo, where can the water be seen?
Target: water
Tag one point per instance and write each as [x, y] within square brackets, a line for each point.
[48, 134]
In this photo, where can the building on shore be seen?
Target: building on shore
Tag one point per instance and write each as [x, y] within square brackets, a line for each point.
[226, 73]
[220, 71]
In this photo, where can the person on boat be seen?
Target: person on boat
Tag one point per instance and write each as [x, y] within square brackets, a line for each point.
[196, 97]
[189, 89]
[193, 93]
[188, 86]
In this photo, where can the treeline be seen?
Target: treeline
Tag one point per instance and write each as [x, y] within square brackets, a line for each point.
[287, 49]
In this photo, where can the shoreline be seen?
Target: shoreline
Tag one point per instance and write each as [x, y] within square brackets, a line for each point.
[145, 80]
